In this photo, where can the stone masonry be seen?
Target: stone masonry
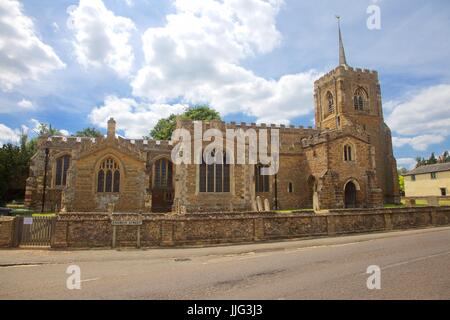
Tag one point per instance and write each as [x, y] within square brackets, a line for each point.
[346, 161]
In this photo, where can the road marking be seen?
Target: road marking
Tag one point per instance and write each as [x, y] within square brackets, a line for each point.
[21, 265]
[414, 260]
[87, 280]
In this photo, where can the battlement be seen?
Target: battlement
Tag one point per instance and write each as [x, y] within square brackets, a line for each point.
[85, 143]
[346, 71]
[151, 143]
[188, 124]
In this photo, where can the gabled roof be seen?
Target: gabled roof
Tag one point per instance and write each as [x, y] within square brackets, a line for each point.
[439, 167]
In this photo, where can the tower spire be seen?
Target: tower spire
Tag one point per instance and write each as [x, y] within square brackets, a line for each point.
[342, 58]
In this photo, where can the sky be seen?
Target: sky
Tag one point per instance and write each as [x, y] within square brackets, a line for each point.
[76, 63]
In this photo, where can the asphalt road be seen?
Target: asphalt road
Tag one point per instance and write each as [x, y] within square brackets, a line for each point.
[414, 265]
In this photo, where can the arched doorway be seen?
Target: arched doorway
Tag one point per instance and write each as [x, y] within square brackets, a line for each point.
[350, 195]
[162, 186]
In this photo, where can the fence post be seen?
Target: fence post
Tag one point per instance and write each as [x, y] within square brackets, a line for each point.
[17, 231]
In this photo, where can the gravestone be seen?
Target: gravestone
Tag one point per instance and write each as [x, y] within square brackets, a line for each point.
[266, 205]
[410, 202]
[259, 205]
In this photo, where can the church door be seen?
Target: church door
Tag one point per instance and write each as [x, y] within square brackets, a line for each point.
[350, 195]
[162, 191]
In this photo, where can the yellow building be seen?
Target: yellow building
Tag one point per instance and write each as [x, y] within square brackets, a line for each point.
[426, 181]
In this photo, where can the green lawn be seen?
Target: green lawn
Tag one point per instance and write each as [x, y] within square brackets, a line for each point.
[44, 215]
[391, 205]
[21, 210]
[293, 210]
[419, 203]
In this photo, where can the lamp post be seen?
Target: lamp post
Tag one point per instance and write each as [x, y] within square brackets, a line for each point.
[45, 179]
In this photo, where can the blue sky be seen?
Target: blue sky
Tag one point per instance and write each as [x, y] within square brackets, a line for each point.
[75, 63]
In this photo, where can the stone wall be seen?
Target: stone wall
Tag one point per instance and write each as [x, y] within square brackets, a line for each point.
[95, 230]
[6, 231]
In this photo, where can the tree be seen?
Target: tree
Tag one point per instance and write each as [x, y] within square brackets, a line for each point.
[445, 157]
[47, 130]
[432, 159]
[401, 179]
[204, 113]
[89, 132]
[164, 128]
[14, 167]
[419, 162]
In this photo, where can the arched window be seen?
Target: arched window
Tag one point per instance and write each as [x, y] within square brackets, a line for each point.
[261, 181]
[108, 176]
[163, 174]
[290, 187]
[360, 99]
[62, 165]
[348, 153]
[330, 102]
[214, 177]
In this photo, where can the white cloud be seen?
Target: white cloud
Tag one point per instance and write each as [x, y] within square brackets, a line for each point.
[55, 27]
[420, 143]
[424, 112]
[8, 135]
[195, 57]
[25, 104]
[23, 55]
[408, 163]
[36, 124]
[422, 119]
[101, 37]
[36, 128]
[134, 118]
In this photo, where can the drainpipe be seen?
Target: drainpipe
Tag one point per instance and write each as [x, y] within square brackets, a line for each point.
[45, 179]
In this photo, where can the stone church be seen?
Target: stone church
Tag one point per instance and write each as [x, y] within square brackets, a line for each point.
[346, 161]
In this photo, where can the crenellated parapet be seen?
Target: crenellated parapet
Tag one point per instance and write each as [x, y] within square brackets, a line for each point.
[221, 125]
[82, 146]
[344, 71]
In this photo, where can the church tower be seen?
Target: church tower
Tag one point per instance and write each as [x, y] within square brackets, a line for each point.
[349, 96]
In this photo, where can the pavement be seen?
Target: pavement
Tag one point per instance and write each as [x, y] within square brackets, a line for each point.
[414, 264]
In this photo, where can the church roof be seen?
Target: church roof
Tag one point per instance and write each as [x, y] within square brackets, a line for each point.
[438, 167]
